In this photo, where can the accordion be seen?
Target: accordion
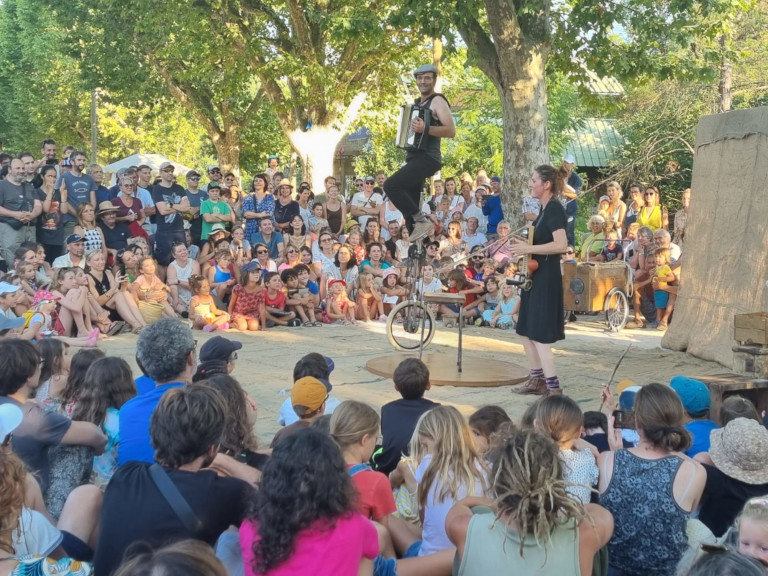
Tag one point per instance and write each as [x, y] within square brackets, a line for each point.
[406, 138]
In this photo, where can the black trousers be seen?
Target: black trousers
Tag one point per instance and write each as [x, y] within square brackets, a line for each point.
[404, 186]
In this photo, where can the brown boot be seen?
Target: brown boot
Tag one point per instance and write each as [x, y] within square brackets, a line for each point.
[537, 386]
[553, 392]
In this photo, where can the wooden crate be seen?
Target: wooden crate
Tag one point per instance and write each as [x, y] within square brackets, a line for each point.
[723, 385]
[751, 361]
[751, 328]
[585, 286]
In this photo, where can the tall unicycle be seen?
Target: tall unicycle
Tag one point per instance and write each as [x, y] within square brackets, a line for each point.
[411, 324]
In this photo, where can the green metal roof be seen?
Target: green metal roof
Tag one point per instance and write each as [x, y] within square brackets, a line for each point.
[594, 143]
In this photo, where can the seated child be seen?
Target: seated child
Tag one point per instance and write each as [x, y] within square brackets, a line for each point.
[368, 299]
[274, 301]
[316, 221]
[339, 309]
[306, 283]
[295, 300]
[505, 314]
[203, 311]
[490, 425]
[148, 288]
[246, 306]
[391, 292]
[219, 275]
[611, 250]
[485, 304]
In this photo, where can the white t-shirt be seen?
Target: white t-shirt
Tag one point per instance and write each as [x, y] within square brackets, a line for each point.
[375, 200]
[433, 536]
[434, 286]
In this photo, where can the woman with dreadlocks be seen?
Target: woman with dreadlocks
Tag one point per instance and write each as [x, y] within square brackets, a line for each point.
[531, 524]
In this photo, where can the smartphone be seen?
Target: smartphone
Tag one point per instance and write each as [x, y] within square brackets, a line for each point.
[624, 419]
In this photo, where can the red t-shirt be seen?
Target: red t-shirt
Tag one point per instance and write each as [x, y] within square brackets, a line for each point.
[468, 298]
[376, 499]
[278, 302]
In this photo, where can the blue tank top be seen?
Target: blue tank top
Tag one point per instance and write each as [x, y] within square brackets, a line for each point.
[649, 535]
[221, 275]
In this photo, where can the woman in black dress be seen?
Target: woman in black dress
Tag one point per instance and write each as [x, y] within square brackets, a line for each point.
[541, 308]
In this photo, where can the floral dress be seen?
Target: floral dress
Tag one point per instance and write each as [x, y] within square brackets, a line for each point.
[247, 304]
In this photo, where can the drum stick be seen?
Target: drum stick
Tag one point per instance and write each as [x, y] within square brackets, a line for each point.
[608, 385]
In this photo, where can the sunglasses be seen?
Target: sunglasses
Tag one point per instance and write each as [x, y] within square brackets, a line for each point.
[232, 357]
[193, 178]
[169, 170]
[478, 257]
[570, 252]
[262, 251]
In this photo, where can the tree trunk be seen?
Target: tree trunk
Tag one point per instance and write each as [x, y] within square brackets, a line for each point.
[316, 148]
[726, 81]
[228, 150]
[524, 112]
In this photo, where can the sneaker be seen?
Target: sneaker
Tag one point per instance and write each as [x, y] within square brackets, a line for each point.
[383, 318]
[421, 230]
[209, 328]
[294, 323]
[536, 386]
[479, 322]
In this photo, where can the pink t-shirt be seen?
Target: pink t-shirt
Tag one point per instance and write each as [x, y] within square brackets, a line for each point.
[335, 552]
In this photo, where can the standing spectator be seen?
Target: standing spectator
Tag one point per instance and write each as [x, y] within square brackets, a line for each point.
[258, 205]
[19, 206]
[617, 210]
[633, 207]
[652, 214]
[76, 189]
[30, 167]
[214, 175]
[531, 208]
[143, 179]
[492, 206]
[102, 192]
[49, 231]
[130, 209]
[214, 211]
[571, 194]
[170, 202]
[271, 171]
[681, 218]
[366, 202]
[196, 197]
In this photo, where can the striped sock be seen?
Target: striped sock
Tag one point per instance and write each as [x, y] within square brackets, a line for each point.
[537, 373]
[553, 382]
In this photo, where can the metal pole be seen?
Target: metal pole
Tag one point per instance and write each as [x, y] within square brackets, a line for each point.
[94, 128]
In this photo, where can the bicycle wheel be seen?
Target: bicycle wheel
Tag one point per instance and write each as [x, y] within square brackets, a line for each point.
[405, 323]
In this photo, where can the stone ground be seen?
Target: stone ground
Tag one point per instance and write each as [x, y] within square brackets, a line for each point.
[585, 360]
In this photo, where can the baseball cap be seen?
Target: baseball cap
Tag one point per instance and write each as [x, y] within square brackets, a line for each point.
[213, 184]
[496, 179]
[694, 394]
[72, 238]
[219, 348]
[369, 179]
[10, 418]
[250, 266]
[165, 165]
[192, 173]
[606, 198]
[337, 281]
[213, 167]
[43, 296]
[569, 159]
[7, 288]
[308, 392]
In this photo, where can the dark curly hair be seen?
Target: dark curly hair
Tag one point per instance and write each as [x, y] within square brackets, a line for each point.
[305, 480]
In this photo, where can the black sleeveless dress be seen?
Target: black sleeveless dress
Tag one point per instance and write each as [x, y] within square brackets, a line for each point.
[102, 287]
[541, 307]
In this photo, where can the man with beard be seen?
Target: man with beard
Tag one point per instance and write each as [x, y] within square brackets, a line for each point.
[76, 189]
[170, 202]
[19, 207]
[404, 186]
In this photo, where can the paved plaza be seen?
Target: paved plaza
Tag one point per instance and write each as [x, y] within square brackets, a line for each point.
[584, 360]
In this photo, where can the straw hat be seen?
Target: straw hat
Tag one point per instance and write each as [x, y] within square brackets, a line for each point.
[740, 450]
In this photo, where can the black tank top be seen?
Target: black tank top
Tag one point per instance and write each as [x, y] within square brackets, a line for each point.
[433, 144]
[103, 285]
[333, 217]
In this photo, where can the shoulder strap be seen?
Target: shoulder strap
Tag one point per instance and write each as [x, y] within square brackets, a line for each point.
[357, 468]
[175, 500]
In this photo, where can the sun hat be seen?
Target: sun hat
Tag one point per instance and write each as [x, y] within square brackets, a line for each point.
[43, 296]
[105, 207]
[285, 182]
[351, 224]
[308, 392]
[10, 418]
[740, 450]
[218, 227]
[694, 395]
[389, 272]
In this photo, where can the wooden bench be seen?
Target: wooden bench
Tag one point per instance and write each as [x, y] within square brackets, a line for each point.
[723, 385]
[448, 298]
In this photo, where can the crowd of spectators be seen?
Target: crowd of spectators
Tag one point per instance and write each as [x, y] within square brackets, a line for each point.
[105, 474]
